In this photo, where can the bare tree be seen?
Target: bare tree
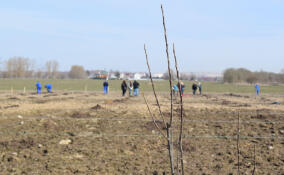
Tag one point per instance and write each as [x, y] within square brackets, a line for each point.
[52, 69]
[166, 75]
[19, 67]
[77, 72]
[39, 73]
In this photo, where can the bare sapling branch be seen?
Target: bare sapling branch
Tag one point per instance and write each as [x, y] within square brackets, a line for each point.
[169, 65]
[153, 118]
[153, 86]
[170, 148]
[181, 113]
[169, 125]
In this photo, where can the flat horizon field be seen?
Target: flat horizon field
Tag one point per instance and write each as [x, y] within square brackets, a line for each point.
[18, 85]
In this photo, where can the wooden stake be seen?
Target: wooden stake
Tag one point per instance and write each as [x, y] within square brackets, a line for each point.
[254, 161]
[12, 90]
[238, 143]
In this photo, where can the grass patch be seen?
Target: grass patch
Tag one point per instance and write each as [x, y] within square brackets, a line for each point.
[161, 86]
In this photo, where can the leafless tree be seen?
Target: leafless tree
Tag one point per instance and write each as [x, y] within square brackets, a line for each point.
[19, 67]
[52, 69]
[77, 72]
[39, 73]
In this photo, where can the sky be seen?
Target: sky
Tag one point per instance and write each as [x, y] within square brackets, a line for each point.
[209, 36]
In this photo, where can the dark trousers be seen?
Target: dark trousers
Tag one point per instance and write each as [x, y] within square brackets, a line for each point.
[123, 92]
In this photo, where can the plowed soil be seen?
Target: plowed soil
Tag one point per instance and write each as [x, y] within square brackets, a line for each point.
[92, 133]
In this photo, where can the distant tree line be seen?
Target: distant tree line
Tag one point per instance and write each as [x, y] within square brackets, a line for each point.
[21, 67]
[242, 75]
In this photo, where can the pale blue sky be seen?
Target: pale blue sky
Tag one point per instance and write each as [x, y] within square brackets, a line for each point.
[210, 35]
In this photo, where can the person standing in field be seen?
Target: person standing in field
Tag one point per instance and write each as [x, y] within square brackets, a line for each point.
[38, 87]
[130, 88]
[194, 88]
[123, 87]
[105, 87]
[175, 90]
[135, 88]
[257, 89]
[199, 88]
[181, 86]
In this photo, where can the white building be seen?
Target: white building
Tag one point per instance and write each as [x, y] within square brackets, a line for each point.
[139, 75]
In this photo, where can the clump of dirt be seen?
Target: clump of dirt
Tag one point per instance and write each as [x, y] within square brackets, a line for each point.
[49, 124]
[41, 101]
[151, 126]
[233, 95]
[226, 102]
[97, 107]
[80, 115]
[123, 100]
[19, 144]
[259, 116]
[11, 106]
[51, 95]
[14, 98]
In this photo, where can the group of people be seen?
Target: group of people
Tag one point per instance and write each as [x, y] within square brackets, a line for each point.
[178, 85]
[195, 86]
[47, 86]
[133, 88]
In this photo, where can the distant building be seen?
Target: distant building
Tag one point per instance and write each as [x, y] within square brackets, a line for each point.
[98, 74]
[140, 75]
[157, 76]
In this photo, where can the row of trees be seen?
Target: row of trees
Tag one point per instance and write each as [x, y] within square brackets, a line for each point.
[242, 75]
[20, 67]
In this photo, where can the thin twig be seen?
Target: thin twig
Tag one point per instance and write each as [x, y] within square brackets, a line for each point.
[153, 87]
[181, 113]
[169, 65]
[169, 125]
[238, 143]
[153, 118]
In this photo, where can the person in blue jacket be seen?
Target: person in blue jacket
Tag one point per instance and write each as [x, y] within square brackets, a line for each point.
[105, 87]
[257, 89]
[38, 87]
[48, 87]
[175, 90]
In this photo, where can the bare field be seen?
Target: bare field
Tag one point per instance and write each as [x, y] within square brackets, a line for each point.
[92, 133]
